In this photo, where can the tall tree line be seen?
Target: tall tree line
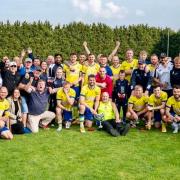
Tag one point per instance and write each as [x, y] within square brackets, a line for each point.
[45, 39]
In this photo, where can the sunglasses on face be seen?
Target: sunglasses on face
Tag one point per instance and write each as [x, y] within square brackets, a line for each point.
[13, 66]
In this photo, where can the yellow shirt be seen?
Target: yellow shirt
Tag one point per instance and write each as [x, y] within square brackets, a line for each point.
[72, 76]
[62, 97]
[90, 94]
[174, 104]
[4, 106]
[89, 69]
[107, 110]
[129, 66]
[154, 101]
[115, 71]
[138, 103]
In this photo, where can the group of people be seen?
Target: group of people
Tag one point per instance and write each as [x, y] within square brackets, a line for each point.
[115, 95]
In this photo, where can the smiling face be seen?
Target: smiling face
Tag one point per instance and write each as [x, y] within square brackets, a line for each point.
[59, 73]
[138, 91]
[129, 54]
[115, 60]
[44, 65]
[105, 97]
[176, 93]
[73, 58]
[16, 94]
[157, 92]
[3, 92]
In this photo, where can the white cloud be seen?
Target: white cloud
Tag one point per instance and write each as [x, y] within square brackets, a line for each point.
[140, 12]
[101, 9]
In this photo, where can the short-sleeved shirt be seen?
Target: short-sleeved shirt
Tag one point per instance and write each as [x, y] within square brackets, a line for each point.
[4, 106]
[89, 69]
[38, 102]
[138, 103]
[72, 76]
[115, 71]
[90, 94]
[163, 74]
[175, 105]
[129, 66]
[154, 101]
[62, 97]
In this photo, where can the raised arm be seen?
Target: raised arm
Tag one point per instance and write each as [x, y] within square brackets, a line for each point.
[113, 53]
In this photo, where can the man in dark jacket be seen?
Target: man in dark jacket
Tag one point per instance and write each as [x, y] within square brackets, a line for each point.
[175, 72]
[141, 77]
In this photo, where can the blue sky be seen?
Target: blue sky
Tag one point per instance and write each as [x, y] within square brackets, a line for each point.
[161, 13]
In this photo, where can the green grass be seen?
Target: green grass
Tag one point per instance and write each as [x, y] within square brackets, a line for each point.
[94, 155]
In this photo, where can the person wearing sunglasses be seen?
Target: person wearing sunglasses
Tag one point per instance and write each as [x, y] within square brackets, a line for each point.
[11, 77]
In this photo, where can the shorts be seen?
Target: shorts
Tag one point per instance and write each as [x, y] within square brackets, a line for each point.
[67, 115]
[172, 113]
[3, 129]
[157, 116]
[88, 115]
[77, 90]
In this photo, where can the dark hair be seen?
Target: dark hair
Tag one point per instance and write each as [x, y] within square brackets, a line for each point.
[176, 86]
[91, 76]
[156, 86]
[103, 56]
[121, 72]
[73, 54]
[58, 54]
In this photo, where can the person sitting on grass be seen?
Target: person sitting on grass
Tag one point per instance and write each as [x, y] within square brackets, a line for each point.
[172, 114]
[37, 104]
[137, 106]
[111, 121]
[156, 107]
[16, 122]
[5, 133]
[88, 103]
[65, 100]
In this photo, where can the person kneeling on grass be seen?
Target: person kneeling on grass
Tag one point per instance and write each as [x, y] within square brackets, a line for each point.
[111, 122]
[65, 100]
[172, 114]
[38, 101]
[137, 106]
[5, 133]
[88, 103]
[156, 107]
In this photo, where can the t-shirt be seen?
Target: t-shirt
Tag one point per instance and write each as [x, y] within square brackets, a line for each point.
[62, 97]
[154, 101]
[174, 104]
[138, 103]
[90, 94]
[115, 71]
[73, 75]
[89, 69]
[109, 84]
[163, 74]
[4, 106]
[129, 66]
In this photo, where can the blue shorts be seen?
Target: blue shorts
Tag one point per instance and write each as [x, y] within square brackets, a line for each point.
[77, 90]
[3, 129]
[67, 115]
[88, 115]
[172, 113]
[157, 116]
[24, 106]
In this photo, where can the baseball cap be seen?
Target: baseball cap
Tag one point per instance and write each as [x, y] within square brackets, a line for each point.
[163, 55]
[12, 63]
[28, 60]
[141, 61]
